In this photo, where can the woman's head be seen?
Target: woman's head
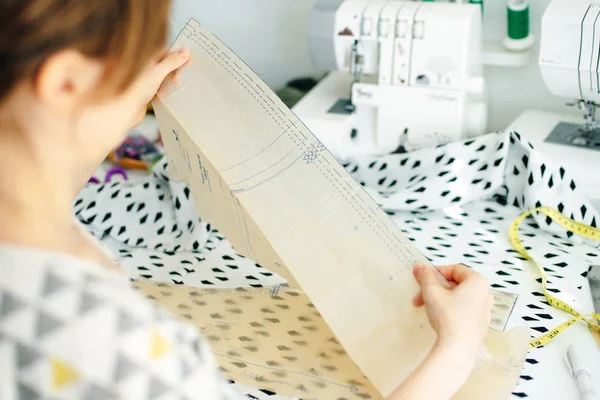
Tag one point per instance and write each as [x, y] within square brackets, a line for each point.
[121, 34]
[69, 67]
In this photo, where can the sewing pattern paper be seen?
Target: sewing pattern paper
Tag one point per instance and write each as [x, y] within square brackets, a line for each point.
[273, 189]
[159, 236]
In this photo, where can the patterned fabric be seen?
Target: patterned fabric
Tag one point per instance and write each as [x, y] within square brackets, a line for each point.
[455, 202]
[70, 329]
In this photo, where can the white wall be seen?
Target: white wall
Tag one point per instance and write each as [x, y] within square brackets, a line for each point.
[271, 36]
[512, 90]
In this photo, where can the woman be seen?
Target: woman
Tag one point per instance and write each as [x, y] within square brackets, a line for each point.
[74, 77]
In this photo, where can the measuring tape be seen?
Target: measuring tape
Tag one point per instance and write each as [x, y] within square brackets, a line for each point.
[577, 228]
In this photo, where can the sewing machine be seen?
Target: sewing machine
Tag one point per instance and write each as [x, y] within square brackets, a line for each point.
[569, 62]
[405, 74]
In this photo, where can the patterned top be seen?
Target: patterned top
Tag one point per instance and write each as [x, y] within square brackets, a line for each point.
[71, 329]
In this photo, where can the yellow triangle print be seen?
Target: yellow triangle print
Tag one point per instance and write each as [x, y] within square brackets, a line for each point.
[159, 344]
[62, 374]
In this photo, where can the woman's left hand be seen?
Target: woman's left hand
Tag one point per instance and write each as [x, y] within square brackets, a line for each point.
[150, 81]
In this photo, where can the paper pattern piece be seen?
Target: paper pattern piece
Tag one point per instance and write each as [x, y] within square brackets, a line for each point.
[271, 338]
[504, 303]
[274, 338]
[282, 200]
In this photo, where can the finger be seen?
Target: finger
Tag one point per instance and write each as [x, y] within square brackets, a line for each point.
[158, 56]
[425, 276]
[456, 273]
[175, 76]
[445, 283]
[170, 63]
[448, 284]
[418, 300]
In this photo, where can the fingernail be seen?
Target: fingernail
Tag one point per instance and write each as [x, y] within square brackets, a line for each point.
[417, 269]
[183, 53]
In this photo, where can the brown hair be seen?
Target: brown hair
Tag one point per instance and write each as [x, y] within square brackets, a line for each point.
[125, 34]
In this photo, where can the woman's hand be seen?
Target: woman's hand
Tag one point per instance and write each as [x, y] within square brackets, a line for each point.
[150, 81]
[459, 310]
[458, 303]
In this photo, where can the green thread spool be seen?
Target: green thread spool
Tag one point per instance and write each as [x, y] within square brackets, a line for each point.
[518, 36]
[518, 20]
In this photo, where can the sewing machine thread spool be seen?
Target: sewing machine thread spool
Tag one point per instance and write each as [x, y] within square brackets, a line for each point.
[518, 36]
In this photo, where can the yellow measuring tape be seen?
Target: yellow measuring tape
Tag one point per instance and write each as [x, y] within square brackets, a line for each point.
[577, 228]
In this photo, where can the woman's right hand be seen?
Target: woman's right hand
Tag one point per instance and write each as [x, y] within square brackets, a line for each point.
[458, 303]
[459, 310]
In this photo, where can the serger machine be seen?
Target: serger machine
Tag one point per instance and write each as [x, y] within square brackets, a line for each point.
[404, 75]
